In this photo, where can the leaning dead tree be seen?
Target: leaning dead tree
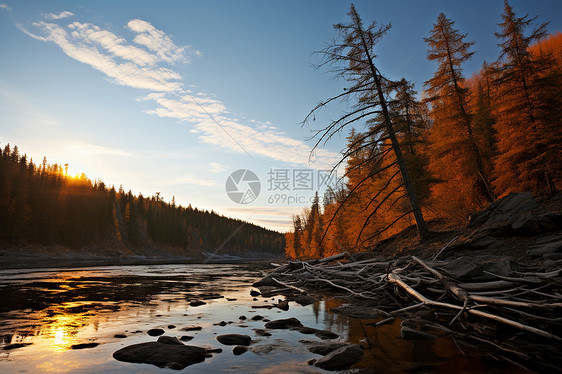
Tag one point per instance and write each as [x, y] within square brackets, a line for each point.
[351, 56]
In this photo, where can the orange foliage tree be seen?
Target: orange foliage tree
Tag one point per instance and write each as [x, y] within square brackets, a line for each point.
[529, 135]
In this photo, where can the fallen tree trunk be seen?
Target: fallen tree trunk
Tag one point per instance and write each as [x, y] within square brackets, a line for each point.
[394, 278]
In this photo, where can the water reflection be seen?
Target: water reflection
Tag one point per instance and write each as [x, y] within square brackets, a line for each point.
[47, 313]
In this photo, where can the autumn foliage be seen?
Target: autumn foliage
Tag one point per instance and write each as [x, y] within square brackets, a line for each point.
[466, 141]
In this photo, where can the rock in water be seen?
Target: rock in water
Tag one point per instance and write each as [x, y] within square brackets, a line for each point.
[283, 323]
[169, 340]
[234, 339]
[155, 332]
[325, 334]
[341, 358]
[283, 305]
[173, 356]
[305, 330]
[239, 349]
[324, 349]
[84, 345]
[192, 328]
[304, 300]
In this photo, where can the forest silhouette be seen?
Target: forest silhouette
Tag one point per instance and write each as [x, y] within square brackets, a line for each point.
[41, 204]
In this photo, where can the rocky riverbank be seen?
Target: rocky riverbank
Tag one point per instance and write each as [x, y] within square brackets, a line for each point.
[494, 283]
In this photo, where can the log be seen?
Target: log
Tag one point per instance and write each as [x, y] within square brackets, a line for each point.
[482, 286]
[288, 285]
[451, 287]
[502, 302]
[395, 278]
[339, 256]
[445, 247]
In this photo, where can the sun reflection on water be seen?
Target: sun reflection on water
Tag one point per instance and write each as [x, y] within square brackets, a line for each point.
[62, 331]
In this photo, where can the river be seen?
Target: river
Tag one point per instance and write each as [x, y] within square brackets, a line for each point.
[45, 312]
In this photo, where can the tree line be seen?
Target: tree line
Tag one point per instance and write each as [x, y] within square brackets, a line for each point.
[41, 204]
[445, 153]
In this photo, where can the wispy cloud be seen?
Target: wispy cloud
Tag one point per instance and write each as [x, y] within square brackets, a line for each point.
[157, 41]
[124, 63]
[215, 167]
[4, 6]
[97, 150]
[137, 64]
[61, 15]
[189, 179]
[257, 139]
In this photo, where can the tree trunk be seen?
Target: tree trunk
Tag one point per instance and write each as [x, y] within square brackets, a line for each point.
[420, 222]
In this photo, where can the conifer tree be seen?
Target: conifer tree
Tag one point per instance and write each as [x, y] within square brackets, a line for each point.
[450, 98]
[353, 58]
[529, 127]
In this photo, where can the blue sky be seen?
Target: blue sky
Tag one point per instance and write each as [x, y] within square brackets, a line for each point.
[125, 91]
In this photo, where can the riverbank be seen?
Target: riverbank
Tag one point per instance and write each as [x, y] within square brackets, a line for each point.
[33, 257]
[496, 281]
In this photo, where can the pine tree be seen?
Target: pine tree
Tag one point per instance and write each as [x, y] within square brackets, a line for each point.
[529, 127]
[353, 56]
[450, 98]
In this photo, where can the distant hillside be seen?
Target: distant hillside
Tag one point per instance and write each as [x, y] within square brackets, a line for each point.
[40, 206]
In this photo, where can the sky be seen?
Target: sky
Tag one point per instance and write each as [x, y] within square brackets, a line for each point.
[175, 96]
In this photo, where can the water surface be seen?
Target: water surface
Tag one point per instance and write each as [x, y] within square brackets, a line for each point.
[46, 312]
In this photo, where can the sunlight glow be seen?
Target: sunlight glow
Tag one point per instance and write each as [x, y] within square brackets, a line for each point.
[63, 331]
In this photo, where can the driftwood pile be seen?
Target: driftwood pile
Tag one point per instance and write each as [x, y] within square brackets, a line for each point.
[515, 312]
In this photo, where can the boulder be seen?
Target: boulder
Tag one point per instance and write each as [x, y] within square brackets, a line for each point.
[550, 221]
[84, 345]
[527, 224]
[325, 334]
[546, 246]
[234, 339]
[304, 300]
[324, 349]
[505, 210]
[169, 340]
[305, 330]
[283, 323]
[341, 358]
[239, 349]
[192, 328]
[266, 281]
[15, 346]
[174, 356]
[283, 305]
[262, 332]
[197, 303]
[155, 332]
